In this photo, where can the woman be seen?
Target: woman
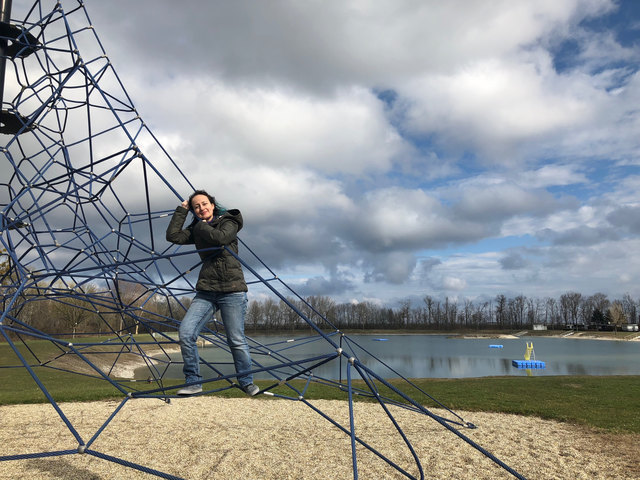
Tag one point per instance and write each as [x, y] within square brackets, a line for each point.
[221, 286]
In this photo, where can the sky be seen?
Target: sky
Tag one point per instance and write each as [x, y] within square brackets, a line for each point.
[388, 150]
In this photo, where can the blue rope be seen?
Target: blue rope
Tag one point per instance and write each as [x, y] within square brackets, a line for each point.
[135, 466]
[104, 425]
[359, 440]
[393, 420]
[444, 424]
[352, 426]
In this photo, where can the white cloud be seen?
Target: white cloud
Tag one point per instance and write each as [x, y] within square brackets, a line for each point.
[272, 107]
[552, 175]
[319, 44]
[346, 133]
[394, 267]
[280, 196]
[498, 106]
[499, 202]
[453, 283]
[401, 218]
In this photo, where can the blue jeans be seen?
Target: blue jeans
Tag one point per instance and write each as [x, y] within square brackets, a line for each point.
[233, 307]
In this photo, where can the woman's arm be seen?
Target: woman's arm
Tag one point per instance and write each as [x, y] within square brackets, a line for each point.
[175, 232]
[216, 236]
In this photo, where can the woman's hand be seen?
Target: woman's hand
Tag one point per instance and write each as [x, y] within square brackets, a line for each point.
[185, 204]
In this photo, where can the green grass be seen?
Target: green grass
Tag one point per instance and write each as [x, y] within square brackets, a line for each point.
[611, 403]
[18, 386]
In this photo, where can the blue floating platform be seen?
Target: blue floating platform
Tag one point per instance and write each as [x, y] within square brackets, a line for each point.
[380, 339]
[495, 346]
[528, 364]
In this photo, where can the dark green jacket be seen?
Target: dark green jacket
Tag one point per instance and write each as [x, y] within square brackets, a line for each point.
[221, 271]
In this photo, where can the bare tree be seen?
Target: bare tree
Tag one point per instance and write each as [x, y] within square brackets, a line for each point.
[550, 311]
[450, 311]
[629, 308]
[501, 310]
[429, 303]
[480, 315]
[130, 297]
[519, 304]
[271, 313]
[600, 301]
[570, 306]
[405, 309]
[589, 307]
[288, 315]
[467, 310]
[254, 314]
[324, 308]
[616, 314]
[73, 306]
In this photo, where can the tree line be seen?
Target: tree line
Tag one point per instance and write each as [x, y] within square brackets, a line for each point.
[122, 308]
[570, 310]
[126, 307]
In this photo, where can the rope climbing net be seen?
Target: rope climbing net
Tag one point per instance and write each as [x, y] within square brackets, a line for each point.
[86, 190]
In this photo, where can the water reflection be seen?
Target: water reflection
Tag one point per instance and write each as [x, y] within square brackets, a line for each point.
[439, 356]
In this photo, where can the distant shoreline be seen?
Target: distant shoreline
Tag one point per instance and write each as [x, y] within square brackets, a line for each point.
[628, 336]
[471, 334]
[128, 363]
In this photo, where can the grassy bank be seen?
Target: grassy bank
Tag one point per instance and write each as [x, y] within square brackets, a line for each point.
[611, 403]
[608, 402]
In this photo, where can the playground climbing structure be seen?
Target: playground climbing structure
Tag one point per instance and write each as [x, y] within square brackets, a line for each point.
[85, 191]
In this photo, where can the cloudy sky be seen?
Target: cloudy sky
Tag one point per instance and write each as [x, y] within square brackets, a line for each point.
[392, 149]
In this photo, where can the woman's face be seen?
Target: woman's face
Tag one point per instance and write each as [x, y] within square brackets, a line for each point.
[202, 207]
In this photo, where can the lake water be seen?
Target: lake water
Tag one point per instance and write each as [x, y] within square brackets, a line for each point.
[441, 356]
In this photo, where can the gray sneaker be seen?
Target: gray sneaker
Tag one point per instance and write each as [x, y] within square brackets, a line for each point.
[190, 390]
[251, 389]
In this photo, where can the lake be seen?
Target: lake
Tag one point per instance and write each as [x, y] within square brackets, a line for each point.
[442, 356]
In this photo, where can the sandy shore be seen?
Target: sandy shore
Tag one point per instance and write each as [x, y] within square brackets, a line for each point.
[248, 438]
[588, 335]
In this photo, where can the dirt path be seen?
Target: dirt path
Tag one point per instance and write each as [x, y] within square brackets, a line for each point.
[246, 438]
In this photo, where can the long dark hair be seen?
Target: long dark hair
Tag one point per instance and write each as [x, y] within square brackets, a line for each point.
[217, 210]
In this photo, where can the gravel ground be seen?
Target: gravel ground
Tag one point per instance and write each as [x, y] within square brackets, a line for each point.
[248, 438]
